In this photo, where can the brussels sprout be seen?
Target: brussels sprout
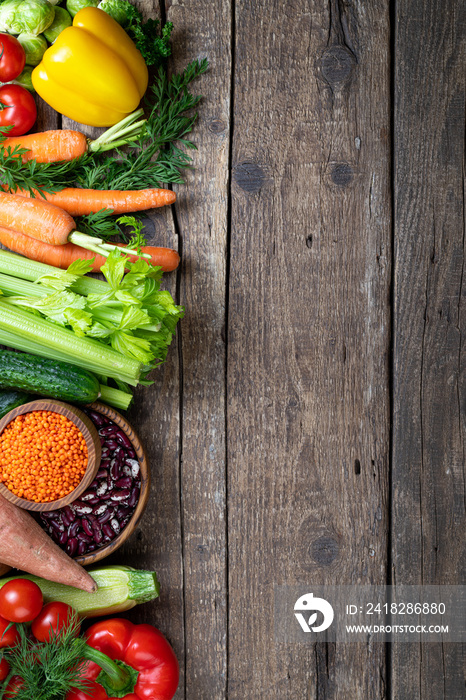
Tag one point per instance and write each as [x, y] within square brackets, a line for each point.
[24, 79]
[73, 6]
[62, 21]
[34, 46]
[118, 9]
[8, 12]
[32, 16]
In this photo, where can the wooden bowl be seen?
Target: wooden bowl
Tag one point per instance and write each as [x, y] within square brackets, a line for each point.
[90, 434]
[129, 528]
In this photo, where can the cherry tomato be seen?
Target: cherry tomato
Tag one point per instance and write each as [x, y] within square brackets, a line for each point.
[14, 684]
[17, 107]
[12, 58]
[20, 600]
[10, 637]
[52, 619]
[4, 669]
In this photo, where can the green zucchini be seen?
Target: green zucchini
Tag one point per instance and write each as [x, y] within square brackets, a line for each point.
[11, 399]
[46, 377]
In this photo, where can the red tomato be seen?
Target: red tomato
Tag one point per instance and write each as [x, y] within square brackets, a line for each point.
[13, 687]
[4, 669]
[9, 638]
[52, 619]
[12, 58]
[20, 600]
[17, 107]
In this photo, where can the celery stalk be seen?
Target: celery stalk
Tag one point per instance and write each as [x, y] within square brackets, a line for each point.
[120, 588]
[83, 352]
[115, 397]
[17, 266]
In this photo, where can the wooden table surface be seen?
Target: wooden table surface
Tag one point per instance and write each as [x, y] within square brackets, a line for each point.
[309, 424]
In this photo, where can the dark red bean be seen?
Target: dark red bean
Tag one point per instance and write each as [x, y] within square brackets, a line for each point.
[83, 537]
[96, 418]
[98, 536]
[63, 539]
[115, 470]
[122, 512]
[65, 520]
[74, 527]
[69, 512]
[108, 531]
[51, 514]
[101, 474]
[133, 499]
[91, 547]
[82, 547]
[123, 439]
[120, 495]
[107, 430]
[111, 444]
[124, 483]
[56, 525]
[71, 546]
[105, 517]
[87, 527]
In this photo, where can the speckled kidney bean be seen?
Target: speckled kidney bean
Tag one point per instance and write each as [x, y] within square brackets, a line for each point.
[102, 512]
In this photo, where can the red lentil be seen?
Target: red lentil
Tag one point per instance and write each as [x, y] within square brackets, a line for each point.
[43, 456]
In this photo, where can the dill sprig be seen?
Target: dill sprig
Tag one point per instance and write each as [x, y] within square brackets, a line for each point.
[157, 157]
[49, 669]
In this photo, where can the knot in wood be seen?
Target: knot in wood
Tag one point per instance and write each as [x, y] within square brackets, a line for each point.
[337, 64]
[341, 174]
[249, 176]
[324, 550]
[217, 126]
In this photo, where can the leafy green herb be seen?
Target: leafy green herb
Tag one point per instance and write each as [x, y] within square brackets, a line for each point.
[49, 669]
[157, 157]
[134, 316]
[153, 44]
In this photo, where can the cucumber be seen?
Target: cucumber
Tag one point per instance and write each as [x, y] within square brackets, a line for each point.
[51, 378]
[11, 399]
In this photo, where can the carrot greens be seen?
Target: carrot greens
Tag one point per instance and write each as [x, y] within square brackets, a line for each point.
[155, 157]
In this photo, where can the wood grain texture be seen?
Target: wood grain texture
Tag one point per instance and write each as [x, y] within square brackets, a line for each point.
[204, 30]
[308, 334]
[429, 322]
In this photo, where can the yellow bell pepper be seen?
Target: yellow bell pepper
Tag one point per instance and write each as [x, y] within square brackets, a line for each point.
[93, 73]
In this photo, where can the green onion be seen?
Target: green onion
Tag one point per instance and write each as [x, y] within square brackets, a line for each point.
[120, 588]
[83, 352]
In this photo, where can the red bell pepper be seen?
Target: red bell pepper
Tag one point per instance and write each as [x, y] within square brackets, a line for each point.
[144, 665]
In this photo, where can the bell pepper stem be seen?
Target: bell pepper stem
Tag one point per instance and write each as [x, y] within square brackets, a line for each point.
[117, 678]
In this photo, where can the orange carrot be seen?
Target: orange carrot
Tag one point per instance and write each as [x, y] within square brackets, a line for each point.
[26, 546]
[49, 146]
[77, 201]
[63, 255]
[35, 218]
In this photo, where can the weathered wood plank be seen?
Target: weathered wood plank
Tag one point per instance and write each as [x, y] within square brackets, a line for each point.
[429, 322]
[204, 29]
[308, 333]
